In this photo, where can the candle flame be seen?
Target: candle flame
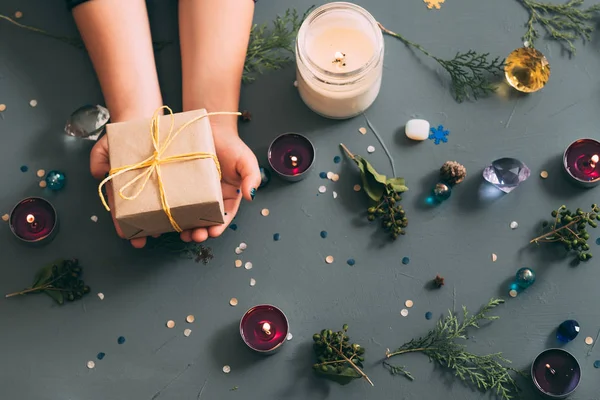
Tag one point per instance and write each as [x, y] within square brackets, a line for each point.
[266, 328]
[294, 161]
[30, 218]
[549, 368]
[595, 158]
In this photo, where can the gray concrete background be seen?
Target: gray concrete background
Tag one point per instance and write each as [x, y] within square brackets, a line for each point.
[44, 348]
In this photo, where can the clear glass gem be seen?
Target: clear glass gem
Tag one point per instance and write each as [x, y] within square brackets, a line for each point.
[567, 331]
[55, 180]
[506, 174]
[87, 122]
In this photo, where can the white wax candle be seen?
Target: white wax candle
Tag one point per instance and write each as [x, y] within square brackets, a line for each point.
[339, 60]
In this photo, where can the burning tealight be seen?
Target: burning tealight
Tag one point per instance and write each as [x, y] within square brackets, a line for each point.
[556, 373]
[34, 220]
[264, 328]
[581, 160]
[291, 156]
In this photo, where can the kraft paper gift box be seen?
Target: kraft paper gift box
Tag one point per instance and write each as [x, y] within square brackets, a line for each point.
[192, 188]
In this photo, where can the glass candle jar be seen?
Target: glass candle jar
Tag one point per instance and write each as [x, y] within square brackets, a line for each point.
[339, 60]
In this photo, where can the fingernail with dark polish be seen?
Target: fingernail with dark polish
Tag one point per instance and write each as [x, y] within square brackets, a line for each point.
[252, 193]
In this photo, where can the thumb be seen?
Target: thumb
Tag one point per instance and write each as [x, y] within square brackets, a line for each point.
[99, 162]
[249, 172]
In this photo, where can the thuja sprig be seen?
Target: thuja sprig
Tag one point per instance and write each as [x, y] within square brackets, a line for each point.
[171, 242]
[60, 280]
[469, 72]
[337, 358]
[271, 49]
[562, 22]
[487, 372]
[385, 194]
[570, 228]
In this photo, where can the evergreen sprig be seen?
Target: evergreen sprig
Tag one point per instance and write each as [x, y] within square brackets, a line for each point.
[487, 372]
[469, 72]
[570, 228]
[562, 22]
[171, 242]
[271, 49]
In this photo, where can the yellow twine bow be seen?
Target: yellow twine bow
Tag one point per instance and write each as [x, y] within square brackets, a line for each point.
[153, 163]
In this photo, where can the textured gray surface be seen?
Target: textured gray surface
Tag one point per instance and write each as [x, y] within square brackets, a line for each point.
[44, 348]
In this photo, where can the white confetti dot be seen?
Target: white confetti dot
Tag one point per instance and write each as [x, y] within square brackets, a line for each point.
[170, 324]
[322, 189]
[233, 302]
[589, 340]
[33, 103]
[404, 312]
[42, 184]
[101, 296]
[544, 174]
[5, 217]
[526, 43]
[243, 246]
[494, 257]
[329, 259]
[357, 188]
[513, 293]
[264, 212]
[190, 318]
[362, 130]
[226, 369]
[335, 177]
[91, 364]
[329, 175]
[238, 250]
[371, 149]
[248, 265]
[252, 281]
[2, 107]
[295, 83]
[94, 218]
[408, 303]
[289, 336]
[187, 332]
[514, 225]
[41, 173]
[18, 14]
[334, 195]
[238, 263]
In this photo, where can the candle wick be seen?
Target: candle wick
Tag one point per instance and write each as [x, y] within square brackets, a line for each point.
[30, 218]
[549, 368]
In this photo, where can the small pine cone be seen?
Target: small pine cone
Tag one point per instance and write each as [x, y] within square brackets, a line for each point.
[453, 173]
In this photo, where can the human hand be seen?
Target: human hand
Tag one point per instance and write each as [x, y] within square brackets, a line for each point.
[240, 178]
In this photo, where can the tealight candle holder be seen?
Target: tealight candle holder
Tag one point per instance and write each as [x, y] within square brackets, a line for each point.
[556, 373]
[264, 328]
[34, 221]
[581, 160]
[291, 156]
[339, 60]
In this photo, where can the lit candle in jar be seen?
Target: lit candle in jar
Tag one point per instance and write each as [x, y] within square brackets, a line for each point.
[339, 60]
[33, 220]
[556, 373]
[291, 156]
[264, 328]
[581, 160]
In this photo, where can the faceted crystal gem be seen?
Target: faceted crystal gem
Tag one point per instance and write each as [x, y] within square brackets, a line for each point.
[527, 70]
[55, 180]
[265, 177]
[87, 122]
[525, 277]
[506, 173]
[441, 192]
[567, 331]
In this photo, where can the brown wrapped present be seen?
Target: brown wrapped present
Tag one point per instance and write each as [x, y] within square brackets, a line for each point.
[164, 180]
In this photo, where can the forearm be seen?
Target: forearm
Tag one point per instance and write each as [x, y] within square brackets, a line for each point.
[214, 38]
[117, 36]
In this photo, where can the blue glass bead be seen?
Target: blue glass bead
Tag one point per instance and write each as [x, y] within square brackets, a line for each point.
[100, 356]
[121, 340]
[441, 192]
[323, 175]
[276, 236]
[351, 261]
[567, 331]
[265, 177]
[405, 260]
[525, 277]
[597, 364]
[598, 241]
[337, 159]
[24, 168]
[323, 234]
[55, 180]
[428, 315]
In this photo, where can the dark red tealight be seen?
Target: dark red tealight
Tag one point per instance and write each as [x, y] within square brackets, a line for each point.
[556, 373]
[33, 220]
[264, 328]
[581, 160]
[291, 156]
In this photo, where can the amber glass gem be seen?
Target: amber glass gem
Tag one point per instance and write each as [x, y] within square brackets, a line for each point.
[527, 70]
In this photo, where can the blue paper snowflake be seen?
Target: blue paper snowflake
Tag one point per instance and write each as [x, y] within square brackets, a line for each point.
[439, 134]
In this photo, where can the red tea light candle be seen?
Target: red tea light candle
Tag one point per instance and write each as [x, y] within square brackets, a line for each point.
[33, 220]
[581, 160]
[556, 373]
[291, 156]
[264, 328]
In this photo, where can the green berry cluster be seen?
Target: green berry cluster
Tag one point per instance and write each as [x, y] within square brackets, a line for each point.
[337, 357]
[393, 216]
[570, 229]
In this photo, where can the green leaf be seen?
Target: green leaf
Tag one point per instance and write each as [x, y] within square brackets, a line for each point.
[398, 184]
[56, 296]
[373, 182]
[43, 275]
[347, 375]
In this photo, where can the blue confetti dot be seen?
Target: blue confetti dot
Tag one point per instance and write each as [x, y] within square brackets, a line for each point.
[238, 190]
[597, 364]
[323, 234]
[351, 261]
[100, 356]
[337, 159]
[24, 168]
[233, 227]
[405, 260]
[121, 339]
[598, 241]
[323, 175]
[276, 236]
[428, 315]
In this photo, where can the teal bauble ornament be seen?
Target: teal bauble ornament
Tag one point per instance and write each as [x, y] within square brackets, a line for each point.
[441, 192]
[55, 180]
[525, 277]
